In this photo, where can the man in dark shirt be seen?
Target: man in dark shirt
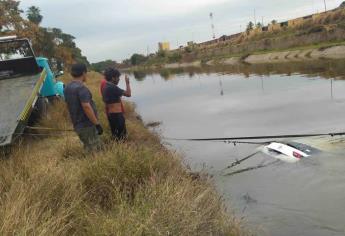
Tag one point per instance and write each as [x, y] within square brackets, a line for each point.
[82, 109]
[112, 98]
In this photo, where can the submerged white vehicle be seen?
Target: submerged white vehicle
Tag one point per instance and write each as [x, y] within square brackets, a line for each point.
[290, 152]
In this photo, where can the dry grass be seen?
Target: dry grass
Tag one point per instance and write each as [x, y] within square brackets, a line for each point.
[48, 186]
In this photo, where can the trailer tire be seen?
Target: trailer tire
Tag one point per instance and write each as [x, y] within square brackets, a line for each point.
[40, 110]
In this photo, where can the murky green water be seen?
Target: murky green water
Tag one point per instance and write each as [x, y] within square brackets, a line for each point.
[306, 198]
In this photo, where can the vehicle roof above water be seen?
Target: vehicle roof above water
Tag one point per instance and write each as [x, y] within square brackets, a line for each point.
[290, 152]
[303, 147]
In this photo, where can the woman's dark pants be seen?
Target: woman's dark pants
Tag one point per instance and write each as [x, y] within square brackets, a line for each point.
[117, 125]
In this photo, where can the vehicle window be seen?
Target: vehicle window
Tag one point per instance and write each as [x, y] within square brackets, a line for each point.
[15, 50]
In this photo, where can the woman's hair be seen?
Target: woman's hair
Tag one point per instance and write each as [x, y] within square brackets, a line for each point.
[111, 73]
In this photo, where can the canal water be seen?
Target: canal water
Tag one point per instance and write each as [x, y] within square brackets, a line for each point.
[305, 198]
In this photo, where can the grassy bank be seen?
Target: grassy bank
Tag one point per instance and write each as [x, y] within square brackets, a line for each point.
[49, 186]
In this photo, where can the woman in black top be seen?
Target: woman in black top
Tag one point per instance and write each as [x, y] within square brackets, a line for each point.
[112, 98]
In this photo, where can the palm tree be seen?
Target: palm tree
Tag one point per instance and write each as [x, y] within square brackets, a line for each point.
[34, 15]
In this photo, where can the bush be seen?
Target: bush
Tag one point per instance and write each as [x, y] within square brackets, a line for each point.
[162, 53]
[267, 43]
[174, 57]
[339, 15]
[327, 20]
[316, 29]
[341, 25]
[188, 49]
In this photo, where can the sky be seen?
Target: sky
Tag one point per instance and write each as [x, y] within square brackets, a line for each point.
[115, 29]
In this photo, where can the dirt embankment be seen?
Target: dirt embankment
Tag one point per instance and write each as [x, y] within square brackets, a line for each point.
[335, 52]
[294, 55]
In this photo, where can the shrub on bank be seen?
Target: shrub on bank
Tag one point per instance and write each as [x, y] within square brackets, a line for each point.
[174, 57]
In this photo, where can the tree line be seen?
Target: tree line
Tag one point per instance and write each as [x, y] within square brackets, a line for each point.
[135, 60]
[251, 25]
[52, 43]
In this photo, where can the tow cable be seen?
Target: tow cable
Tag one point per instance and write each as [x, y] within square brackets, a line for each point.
[252, 168]
[234, 139]
[229, 140]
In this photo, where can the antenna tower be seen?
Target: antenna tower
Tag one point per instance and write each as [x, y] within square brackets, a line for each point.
[212, 26]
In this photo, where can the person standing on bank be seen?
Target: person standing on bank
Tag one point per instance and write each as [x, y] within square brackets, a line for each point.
[112, 98]
[82, 109]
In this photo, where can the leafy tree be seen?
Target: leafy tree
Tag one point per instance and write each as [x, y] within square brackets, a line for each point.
[66, 41]
[12, 23]
[174, 57]
[274, 22]
[10, 18]
[103, 65]
[54, 44]
[250, 26]
[137, 59]
[258, 25]
[58, 47]
[162, 53]
[126, 62]
[34, 15]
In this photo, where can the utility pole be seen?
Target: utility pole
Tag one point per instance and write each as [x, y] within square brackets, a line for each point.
[324, 1]
[254, 16]
[262, 21]
[212, 26]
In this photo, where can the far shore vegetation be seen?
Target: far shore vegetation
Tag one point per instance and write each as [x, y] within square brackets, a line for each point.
[319, 32]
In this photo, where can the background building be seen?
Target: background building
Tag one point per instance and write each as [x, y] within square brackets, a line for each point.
[164, 46]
